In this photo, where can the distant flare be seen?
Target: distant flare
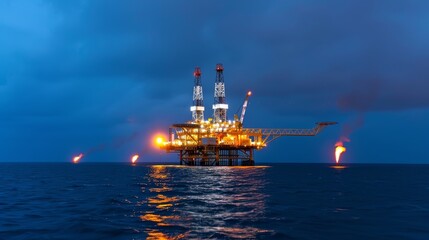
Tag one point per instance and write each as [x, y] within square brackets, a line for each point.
[339, 149]
[77, 158]
[134, 158]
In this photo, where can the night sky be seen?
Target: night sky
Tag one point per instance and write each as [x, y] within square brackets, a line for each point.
[102, 77]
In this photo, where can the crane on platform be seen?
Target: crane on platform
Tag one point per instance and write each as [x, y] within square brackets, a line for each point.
[243, 109]
[219, 141]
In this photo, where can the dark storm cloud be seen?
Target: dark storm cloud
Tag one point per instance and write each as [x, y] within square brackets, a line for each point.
[334, 51]
[135, 38]
[303, 48]
[112, 67]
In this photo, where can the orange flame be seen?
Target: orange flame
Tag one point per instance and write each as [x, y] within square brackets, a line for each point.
[159, 140]
[339, 149]
[77, 158]
[134, 158]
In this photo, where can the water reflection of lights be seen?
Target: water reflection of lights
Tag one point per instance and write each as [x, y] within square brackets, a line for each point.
[162, 201]
[220, 202]
[160, 189]
[158, 219]
[338, 167]
[159, 179]
[157, 235]
[158, 172]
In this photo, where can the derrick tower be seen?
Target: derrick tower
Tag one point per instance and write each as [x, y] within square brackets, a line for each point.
[219, 105]
[198, 108]
[221, 142]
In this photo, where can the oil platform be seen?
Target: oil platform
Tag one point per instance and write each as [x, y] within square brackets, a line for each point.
[218, 141]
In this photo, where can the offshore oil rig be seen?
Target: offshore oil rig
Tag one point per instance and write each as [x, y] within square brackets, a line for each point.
[218, 141]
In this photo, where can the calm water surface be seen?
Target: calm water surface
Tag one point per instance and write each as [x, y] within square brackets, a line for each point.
[283, 201]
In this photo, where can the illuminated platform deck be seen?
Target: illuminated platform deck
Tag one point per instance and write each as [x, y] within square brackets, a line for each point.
[224, 144]
[218, 141]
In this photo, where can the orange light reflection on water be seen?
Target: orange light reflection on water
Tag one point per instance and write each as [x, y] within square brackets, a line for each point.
[160, 189]
[207, 186]
[213, 167]
[338, 167]
[158, 219]
[162, 201]
[154, 234]
[158, 172]
[160, 179]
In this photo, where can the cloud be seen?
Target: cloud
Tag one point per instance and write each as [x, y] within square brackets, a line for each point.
[101, 63]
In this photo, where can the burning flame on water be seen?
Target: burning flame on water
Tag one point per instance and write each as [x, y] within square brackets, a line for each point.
[77, 158]
[339, 149]
[134, 158]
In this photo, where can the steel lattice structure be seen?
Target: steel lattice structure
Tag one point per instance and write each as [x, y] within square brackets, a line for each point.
[220, 106]
[198, 108]
[219, 141]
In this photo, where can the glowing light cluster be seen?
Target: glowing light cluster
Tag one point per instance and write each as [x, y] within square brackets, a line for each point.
[159, 140]
[339, 149]
[134, 158]
[77, 158]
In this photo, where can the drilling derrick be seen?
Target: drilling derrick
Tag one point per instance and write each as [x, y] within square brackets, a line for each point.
[219, 105]
[222, 142]
[198, 108]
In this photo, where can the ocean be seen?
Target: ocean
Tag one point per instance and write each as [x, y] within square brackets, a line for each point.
[277, 201]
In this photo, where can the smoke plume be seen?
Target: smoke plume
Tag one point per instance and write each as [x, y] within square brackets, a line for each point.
[360, 99]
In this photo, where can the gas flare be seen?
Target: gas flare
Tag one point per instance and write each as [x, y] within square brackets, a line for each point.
[159, 140]
[134, 158]
[339, 149]
[77, 158]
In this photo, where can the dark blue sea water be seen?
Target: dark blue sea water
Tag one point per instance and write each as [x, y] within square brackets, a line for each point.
[284, 201]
